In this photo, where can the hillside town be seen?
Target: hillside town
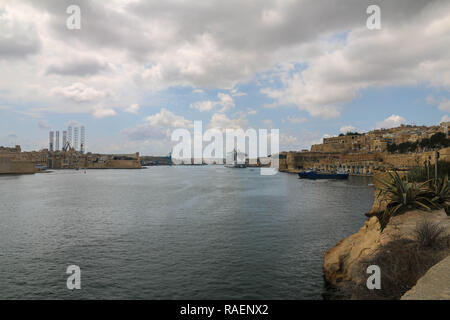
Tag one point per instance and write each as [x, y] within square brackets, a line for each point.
[399, 148]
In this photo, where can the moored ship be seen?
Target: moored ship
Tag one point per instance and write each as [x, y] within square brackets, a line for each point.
[314, 175]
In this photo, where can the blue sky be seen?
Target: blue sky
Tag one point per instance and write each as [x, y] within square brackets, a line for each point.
[309, 70]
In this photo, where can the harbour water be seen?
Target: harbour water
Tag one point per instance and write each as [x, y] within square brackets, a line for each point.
[203, 232]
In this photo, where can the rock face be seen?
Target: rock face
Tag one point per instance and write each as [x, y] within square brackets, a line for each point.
[434, 285]
[341, 262]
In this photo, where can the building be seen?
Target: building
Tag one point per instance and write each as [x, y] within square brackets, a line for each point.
[361, 154]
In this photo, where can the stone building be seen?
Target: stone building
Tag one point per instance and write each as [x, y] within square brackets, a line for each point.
[362, 154]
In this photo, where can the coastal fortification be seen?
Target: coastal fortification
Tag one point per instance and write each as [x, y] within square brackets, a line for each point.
[12, 162]
[364, 153]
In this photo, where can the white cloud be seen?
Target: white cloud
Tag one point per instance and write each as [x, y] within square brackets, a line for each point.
[391, 122]
[221, 121]
[104, 112]
[445, 118]
[203, 106]
[444, 106]
[134, 108]
[157, 128]
[251, 111]
[79, 92]
[346, 129]
[152, 47]
[225, 101]
[168, 119]
[389, 57]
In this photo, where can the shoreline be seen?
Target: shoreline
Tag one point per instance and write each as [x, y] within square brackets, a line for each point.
[344, 262]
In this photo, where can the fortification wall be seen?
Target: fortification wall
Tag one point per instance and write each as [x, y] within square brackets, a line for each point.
[10, 166]
[115, 164]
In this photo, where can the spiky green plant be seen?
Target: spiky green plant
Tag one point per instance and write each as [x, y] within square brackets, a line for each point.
[441, 194]
[401, 195]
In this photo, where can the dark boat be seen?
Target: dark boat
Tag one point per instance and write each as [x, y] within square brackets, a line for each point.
[314, 175]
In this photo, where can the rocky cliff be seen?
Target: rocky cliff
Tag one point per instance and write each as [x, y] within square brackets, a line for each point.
[434, 285]
[343, 261]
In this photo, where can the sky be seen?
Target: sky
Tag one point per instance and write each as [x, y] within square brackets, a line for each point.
[137, 70]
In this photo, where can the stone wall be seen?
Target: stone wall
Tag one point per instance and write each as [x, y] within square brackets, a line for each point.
[115, 164]
[354, 163]
[12, 166]
[359, 163]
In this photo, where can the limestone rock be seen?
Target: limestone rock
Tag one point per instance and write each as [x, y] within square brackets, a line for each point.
[434, 285]
[342, 261]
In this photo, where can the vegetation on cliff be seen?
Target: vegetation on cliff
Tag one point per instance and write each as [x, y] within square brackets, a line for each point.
[404, 261]
[402, 195]
[410, 244]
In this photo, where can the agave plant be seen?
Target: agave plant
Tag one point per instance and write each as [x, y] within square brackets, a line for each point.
[402, 195]
[441, 194]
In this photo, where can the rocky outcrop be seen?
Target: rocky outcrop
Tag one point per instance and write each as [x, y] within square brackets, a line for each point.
[434, 285]
[342, 262]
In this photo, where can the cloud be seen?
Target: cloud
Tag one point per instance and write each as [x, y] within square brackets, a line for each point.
[79, 68]
[221, 121]
[444, 106]
[391, 122]
[152, 46]
[445, 118]
[389, 57]
[79, 92]
[18, 36]
[166, 118]
[346, 129]
[158, 127]
[134, 108]
[104, 112]
[203, 106]
[225, 101]
[43, 125]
